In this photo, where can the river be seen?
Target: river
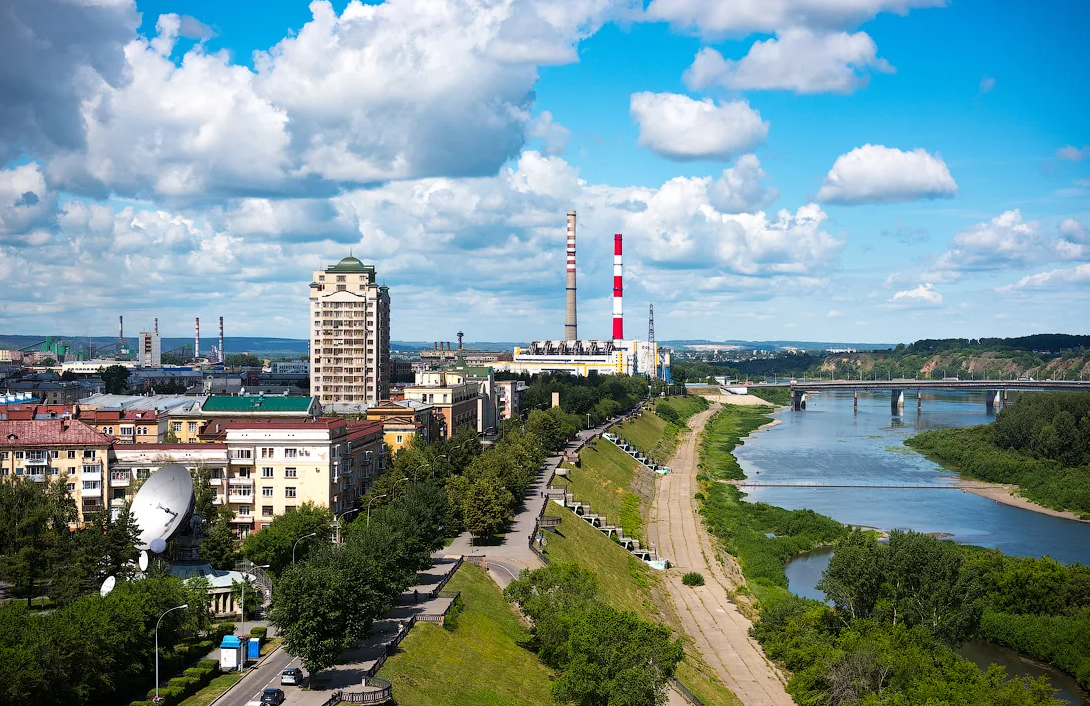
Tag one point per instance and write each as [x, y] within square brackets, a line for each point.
[830, 442]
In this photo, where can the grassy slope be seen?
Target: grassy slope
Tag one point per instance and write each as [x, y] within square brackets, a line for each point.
[653, 434]
[604, 481]
[480, 662]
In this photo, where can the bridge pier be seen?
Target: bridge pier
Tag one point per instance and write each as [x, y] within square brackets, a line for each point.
[798, 400]
[855, 400]
[897, 401]
[919, 400]
[992, 398]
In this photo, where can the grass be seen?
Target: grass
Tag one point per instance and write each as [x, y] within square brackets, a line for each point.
[215, 687]
[725, 431]
[645, 431]
[604, 481]
[481, 661]
[775, 395]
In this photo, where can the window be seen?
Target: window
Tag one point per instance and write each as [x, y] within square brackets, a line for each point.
[54, 454]
[398, 437]
[243, 473]
[142, 473]
[88, 453]
[91, 485]
[266, 472]
[290, 473]
[71, 454]
[289, 492]
[192, 427]
[71, 470]
[266, 511]
[291, 453]
[266, 491]
[19, 471]
[4, 455]
[126, 431]
[266, 452]
[109, 431]
[289, 508]
[244, 510]
[53, 471]
[176, 427]
[18, 454]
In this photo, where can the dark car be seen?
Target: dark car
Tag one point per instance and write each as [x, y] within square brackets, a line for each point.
[292, 676]
[272, 696]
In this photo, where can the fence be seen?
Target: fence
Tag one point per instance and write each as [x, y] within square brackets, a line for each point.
[685, 693]
[383, 692]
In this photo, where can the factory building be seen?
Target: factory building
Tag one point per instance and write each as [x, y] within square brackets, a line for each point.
[617, 355]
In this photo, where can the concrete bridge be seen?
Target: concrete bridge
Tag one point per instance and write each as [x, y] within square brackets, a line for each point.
[995, 390]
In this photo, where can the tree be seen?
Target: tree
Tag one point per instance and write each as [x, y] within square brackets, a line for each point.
[34, 520]
[488, 508]
[219, 546]
[273, 544]
[854, 576]
[554, 597]
[243, 360]
[252, 596]
[199, 616]
[68, 376]
[116, 378]
[308, 613]
[617, 659]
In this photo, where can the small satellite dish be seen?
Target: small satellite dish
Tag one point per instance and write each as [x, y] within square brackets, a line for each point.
[107, 586]
[163, 505]
[158, 545]
[144, 560]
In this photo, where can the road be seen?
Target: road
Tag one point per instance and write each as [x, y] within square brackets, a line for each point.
[707, 613]
[257, 678]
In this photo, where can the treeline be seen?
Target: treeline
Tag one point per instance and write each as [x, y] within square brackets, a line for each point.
[600, 396]
[899, 611]
[1040, 443]
[1053, 342]
[604, 656]
[676, 410]
[325, 603]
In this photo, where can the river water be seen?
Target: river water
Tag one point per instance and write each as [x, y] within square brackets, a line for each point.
[830, 442]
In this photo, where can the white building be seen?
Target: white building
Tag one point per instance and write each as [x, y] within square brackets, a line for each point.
[350, 335]
[584, 357]
[150, 352]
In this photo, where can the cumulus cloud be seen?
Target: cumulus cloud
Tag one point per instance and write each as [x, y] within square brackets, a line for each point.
[880, 174]
[26, 203]
[797, 59]
[1064, 278]
[714, 18]
[679, 127]
[53, 55]
[1072, 153]
[921, 296]
[401, 90]
[740, 188]
[1008, 241]
[429, 238]
[553, 136]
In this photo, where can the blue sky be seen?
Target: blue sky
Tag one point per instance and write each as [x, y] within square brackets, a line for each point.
[858, 170]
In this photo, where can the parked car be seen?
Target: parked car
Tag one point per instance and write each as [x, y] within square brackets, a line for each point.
[272, 696]
[292, 676]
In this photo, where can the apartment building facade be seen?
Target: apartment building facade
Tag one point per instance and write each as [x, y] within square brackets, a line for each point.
[138, 426]
[58, 451]
[350, 335]
[510, 399]
[452, 396]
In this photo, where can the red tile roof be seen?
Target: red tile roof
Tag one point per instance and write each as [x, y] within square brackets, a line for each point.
[170, 447]
[50, 432]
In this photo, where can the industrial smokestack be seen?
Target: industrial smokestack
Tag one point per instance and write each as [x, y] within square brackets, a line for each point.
[223, 356]
[618, 287]
[197, 340]
[571, 329]
[120, 329]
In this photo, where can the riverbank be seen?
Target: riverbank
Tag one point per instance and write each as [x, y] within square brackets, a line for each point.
[1007, 493]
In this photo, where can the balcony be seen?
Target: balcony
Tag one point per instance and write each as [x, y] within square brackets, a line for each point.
[89, 472]
[91, 492]
[36, 477]
[242, 519]
[240, 498]
[241, 482]
[120, 479]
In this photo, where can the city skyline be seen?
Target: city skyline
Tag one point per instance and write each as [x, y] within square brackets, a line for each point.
[886, 172]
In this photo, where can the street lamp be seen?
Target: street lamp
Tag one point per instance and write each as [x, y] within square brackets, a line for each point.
[293, 546]
[337, 524]
[242, 607]
[177, 607]
[369, 507]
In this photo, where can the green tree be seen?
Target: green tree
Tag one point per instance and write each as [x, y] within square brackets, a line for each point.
[116, 379]
[554, 597]
[253, 596]
[199, 617]
[853, 579]
[219, 546]
[308, 611]
[34, 520]
[488, 508]
[273, 544]
[240, 360]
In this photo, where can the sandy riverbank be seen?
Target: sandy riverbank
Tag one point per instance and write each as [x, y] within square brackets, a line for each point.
[744, 400]
[1008, 495]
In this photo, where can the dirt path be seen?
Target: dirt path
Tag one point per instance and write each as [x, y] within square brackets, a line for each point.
[707, 614]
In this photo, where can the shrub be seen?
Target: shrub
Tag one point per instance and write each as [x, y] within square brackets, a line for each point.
[259, 631]
[210, 664]
[223, 629]
[196, 673]
[142, 703]
[693, 578]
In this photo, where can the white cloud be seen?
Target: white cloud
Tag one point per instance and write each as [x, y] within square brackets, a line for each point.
[679, 127]
[401, 90]
[834, 314]
[1072, 153]
[924, 295]
[1009, 241]
[714, 18]
[797, 59]
[740, 189]
[879, 174]
[1070, 277]
[553, 136]
[987, 83]
[25, 202]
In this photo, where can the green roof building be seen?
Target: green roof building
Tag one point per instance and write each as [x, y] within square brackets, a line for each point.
[261, 406]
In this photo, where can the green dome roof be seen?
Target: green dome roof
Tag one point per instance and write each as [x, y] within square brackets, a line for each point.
[350, 264]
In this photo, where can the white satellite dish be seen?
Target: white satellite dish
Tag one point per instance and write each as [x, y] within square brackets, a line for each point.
[107, 586]
[143, 561]
[163, 505]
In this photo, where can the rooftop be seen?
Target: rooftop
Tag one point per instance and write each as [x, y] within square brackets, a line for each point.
[257, 403]
[350, 264]
[50, 432]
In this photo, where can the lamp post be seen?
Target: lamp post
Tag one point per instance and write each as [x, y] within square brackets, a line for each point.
[337, 524]
[296, 544]
[177, 607]
[242, 606]
[369, 507]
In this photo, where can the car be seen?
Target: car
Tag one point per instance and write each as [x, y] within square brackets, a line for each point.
[292, 676]
[272, 696]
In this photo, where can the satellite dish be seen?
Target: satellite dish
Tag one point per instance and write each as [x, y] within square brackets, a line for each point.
[158, 545]
[163, 505]
[107, 586]
[144, 560]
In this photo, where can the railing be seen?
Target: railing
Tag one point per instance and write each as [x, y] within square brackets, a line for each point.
[685, 693]
[481, 561]
[383, 692]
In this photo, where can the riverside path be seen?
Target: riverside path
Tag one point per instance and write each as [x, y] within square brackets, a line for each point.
[719, 630]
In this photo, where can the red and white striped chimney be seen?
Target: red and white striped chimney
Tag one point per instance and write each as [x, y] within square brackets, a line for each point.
[618, 318]
[197, 339]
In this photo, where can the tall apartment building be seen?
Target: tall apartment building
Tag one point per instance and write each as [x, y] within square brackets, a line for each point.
[350, 335]
[452, 396]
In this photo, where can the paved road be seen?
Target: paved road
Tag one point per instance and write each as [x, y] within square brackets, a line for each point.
[257, 678]
[707, 614]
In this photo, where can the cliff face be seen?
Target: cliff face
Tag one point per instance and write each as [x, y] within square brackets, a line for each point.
[991, 364]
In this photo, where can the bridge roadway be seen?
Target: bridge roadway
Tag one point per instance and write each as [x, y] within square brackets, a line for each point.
[995, 390]
[917, 486]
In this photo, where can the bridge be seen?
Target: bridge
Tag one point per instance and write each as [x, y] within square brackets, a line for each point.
[903, 486]
[995, 390]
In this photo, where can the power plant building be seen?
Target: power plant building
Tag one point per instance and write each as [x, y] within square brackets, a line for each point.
[349, 335]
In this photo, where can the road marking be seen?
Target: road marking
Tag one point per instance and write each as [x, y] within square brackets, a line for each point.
[501, 566]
